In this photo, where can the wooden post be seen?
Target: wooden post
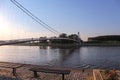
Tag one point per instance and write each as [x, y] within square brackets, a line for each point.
[62, 76]
[35, 74]
[14, 71]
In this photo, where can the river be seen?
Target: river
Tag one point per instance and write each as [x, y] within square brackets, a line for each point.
[103, 57]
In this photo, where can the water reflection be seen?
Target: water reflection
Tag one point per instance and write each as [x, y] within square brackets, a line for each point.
[82, 57]
[57, 56]
[66, 55]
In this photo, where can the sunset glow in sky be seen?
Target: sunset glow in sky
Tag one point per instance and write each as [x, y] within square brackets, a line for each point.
[89, 17]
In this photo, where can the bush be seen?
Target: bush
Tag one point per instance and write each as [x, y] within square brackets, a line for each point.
[107, 71]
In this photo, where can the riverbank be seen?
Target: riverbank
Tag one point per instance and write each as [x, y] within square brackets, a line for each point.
[70, 45]
[24, 74]
[99, 44]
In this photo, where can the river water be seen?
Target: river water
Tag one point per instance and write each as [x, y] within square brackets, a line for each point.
[82, 57]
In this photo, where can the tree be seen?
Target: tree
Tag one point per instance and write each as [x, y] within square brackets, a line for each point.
[74, 36]
[63, 35]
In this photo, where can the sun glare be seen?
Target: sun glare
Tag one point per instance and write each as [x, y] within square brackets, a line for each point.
[9, 30]
[3, 26]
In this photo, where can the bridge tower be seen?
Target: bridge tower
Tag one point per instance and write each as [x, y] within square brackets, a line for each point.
[78, 34]
[79, 37]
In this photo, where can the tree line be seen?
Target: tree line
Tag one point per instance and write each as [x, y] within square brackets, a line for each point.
[63, 35]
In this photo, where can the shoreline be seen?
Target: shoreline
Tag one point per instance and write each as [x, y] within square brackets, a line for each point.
[71, 45]
[24, 73]
[101, 45]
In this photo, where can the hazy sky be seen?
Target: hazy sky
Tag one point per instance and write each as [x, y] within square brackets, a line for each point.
[89, 17]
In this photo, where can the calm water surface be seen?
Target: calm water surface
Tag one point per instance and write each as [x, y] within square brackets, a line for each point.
[82, 57]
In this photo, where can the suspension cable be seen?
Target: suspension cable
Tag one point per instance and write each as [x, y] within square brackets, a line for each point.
[36, 19]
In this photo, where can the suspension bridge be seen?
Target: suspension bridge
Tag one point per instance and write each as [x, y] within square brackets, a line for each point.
[41, 23]
[9, 42]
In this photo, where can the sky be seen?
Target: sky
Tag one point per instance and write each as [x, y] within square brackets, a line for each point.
[89, 17]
